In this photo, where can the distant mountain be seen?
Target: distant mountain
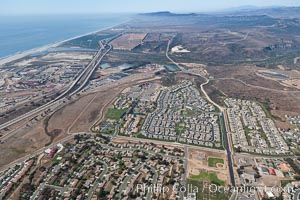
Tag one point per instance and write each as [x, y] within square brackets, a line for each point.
[241, 8]
[280, 12]
[273, 11]
[167, 14]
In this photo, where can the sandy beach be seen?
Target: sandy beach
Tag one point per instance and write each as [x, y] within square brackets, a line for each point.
[46, 47]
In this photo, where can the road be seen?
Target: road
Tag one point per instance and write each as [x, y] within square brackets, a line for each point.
[45, 184]
[227, 142]
[229, 154]
[82, 111]
[8, 180]
[258, 87]
[92, 190]
[70, 137]
[226, 139]
[126, 182]
[167, 55]
[242, 39]
[184, 175]
[169, 143]
[86, 74]
[78, 84]
[20, 160]
[154, 182]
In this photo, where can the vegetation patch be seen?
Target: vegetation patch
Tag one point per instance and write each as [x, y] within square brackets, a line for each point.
[247, 132]
[179, 128]
[204, 193]
[202, 182]
[208, 176]
[189, 113]
[88, 41]
[212, 162]
[108, 132]
[115, 114]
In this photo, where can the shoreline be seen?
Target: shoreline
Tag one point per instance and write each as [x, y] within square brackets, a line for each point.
[23, 54]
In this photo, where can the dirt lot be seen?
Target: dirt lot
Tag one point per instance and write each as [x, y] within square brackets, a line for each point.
[292, 83]
[243, 82]
[82, 114]
[128, 41]
[152, 37]
[247, 75]
[197, 162]
[196, 68]
[63, 118]
[86, 110]
[24, 142]
[275, 101]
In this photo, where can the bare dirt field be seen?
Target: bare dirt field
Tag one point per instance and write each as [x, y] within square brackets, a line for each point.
[292, 80]
[196, 68]
[292, 83]
[82, 114]
[153, 37]
[275, 101]
[128, 41]
[24, 142]
[63, 119]
[198, 161]
[243, 82]
[270, 180]
[86, 110]
[247, 75]
[89, 114]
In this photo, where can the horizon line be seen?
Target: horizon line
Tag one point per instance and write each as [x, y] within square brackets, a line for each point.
[142, 12]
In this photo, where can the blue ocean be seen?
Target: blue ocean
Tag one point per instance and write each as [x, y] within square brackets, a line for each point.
[21, 33]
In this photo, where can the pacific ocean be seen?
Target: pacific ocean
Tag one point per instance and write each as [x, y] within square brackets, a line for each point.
[22, 33]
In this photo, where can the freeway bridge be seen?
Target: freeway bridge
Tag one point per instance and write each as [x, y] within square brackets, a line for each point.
[77, 85]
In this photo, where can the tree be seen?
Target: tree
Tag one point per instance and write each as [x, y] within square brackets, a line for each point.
[102, 193]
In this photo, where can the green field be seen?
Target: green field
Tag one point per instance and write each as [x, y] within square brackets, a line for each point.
[108, 132]
[247, 132]
[202, 181]
[179, 128]
[115, 114]
[188, 113]
[88, 41]
[208, 176]
[212, 162]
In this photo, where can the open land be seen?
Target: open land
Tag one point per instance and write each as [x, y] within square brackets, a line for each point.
[128, 41]
[163, 99]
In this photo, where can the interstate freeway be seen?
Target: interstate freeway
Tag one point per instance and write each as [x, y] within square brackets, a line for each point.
[77, 85]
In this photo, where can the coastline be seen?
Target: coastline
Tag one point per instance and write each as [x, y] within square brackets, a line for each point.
[23, 54]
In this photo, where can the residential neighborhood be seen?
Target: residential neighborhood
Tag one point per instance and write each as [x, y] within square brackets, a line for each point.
[103, 170]
[252, 130]
[150, 100]
[182, 115]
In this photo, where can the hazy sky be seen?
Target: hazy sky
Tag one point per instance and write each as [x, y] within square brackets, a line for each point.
[19, 7]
